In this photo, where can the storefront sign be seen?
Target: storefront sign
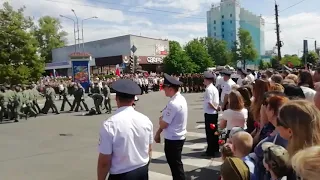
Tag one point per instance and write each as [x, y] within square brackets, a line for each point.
[155, 60]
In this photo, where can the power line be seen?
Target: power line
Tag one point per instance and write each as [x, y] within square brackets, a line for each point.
[292, 5]
[149, 13]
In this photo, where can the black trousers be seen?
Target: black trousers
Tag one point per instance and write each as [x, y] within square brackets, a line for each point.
[212, 140]
[137, 174]
[173, 150]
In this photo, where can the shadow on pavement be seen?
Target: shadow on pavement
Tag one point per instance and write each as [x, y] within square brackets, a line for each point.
[157, 161]
[202, 174]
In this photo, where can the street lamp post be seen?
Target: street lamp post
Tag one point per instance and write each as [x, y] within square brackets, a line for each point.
[94, 17]
[77, 26]
[74, 31]
[306, 53]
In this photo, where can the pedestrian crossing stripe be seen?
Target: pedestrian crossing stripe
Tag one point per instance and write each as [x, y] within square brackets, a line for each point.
[190, 161]
[159, 176]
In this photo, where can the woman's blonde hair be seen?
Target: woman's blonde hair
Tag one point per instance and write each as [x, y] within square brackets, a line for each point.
[293, 77]
[277, 87]
[306, 163]
[303, 118]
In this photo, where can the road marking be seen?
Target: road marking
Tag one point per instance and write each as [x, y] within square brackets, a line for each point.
[196, 145]
[191, 161]
[159, 176]
[200, 126]
[195, 134]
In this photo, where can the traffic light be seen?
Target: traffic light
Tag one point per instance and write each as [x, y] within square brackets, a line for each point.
[131, 64]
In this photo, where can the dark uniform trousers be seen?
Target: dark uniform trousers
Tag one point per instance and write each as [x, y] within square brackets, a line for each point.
[137, 174]
[173, 150]
[212, 140]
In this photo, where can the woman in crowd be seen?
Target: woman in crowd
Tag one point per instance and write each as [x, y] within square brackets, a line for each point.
[236, 115]
[269, 109]
[246, 96]
[306, 84]
[299, 123]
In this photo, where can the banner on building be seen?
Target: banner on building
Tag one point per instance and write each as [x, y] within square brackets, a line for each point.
[81, 73]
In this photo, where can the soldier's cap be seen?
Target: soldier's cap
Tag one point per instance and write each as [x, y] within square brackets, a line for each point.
[286, 68]
[209, 75]
[243, 71]
[226, 72]
[171, 81]
[234, 168]
[275, 156]
[126, 88]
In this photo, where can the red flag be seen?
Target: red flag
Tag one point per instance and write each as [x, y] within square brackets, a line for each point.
[118, 72]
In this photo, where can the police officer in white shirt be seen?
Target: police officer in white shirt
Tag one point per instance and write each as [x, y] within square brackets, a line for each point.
[243, 76]
[226, 86]
[125, 138]
[173, 123]
[211, 108]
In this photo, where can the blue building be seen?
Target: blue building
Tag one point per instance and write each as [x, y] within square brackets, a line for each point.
[225, 19]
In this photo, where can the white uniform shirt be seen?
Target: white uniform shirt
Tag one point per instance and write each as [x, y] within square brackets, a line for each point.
[126, 136]
[211, 95]
[226, 88]
[219, 81]
[251, 77]
[240, 80]
[176, 115]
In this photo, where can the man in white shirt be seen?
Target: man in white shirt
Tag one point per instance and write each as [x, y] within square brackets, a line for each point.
[226, 86]
[173, 123]
[210, 107]
[242, 76]
[122, 154]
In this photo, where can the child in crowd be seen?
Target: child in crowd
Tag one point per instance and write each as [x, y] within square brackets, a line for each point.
[226, 151]
[242, 143]
[276, 160]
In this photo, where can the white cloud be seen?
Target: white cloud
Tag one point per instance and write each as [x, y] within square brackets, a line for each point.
[189, 5]
[115, 22]
[294, 29]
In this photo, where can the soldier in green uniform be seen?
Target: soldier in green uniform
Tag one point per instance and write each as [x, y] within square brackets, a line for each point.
[29, 109]
[2, 103]
[36, 95]
[190, 83]
[78, 93]
[64, 94]
[107, 95]
[97, 97]
[18, 104]
[10, 94]
[50, 97]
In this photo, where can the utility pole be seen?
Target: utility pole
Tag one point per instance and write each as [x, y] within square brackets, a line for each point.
[279, 42]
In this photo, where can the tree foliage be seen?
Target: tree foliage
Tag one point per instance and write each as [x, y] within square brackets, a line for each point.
[50, 35]
[312, 57]
[218, 51]
[177, 61]
[19, 62]
[264, 65]
[198, 53]
[244, 49]
[290, 59]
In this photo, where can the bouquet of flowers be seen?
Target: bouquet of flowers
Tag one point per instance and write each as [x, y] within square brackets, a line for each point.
[221, 133]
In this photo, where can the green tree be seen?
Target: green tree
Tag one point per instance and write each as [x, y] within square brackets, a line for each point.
[50, 35]
[177, 61]
[19, 62]
[218, 51]
[293, 59]
[274, 62]
[264, 65]
[244, 49]
[199, 55]
[312, 57]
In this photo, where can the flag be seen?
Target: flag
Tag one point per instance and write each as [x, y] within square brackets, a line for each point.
[118, 72]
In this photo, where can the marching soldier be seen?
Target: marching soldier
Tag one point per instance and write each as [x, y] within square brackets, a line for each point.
[10, 93]
[28, 97]
[64, 93]
[107, 94]
[50, 97]
[36, 95]
[3, 103]
[18, 104]
[97, 97]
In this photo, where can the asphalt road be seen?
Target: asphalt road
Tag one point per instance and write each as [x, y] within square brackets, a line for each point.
[64, 147]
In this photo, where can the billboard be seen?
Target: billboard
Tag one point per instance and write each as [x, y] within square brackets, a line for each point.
[162, 49]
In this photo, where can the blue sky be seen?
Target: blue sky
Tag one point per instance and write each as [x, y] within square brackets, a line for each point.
[179, 20]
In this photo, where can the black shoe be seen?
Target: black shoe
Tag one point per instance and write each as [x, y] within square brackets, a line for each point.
[207, 155]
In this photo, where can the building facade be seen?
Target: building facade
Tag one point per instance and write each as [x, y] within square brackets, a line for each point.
[225, 19]
[107, 53]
